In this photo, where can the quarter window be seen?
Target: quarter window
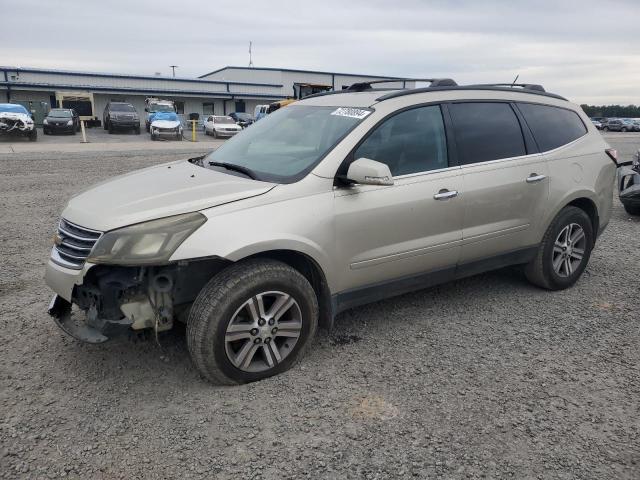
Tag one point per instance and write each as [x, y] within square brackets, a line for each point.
[552, 127]
[486, 131]
[409, 142]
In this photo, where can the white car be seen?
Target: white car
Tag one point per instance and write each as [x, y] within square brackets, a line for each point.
[220, 126]
[166, 125]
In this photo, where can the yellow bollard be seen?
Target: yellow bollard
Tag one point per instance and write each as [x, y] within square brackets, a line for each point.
[193, 130]
[84, 135]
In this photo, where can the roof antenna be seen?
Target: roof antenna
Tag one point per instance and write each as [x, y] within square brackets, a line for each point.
[250, 59]
[515, 80]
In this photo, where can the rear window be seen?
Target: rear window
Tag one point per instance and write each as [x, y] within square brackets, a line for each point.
[486, 131]
[552, 127]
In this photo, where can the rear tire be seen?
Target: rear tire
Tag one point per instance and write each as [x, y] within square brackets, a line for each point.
[231, 304]
[632, 210]
[605, 129]
[556, 265]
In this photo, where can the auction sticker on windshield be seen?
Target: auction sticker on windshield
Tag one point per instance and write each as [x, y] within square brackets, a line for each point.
[351, 112]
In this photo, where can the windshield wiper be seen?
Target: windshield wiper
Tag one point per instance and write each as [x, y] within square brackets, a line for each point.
[238, 168]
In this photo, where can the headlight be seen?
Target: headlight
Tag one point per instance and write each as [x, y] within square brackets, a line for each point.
[69, 123]
[45, 122]
[146, 243]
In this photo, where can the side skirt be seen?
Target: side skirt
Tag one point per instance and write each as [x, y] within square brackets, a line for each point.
[399, 286]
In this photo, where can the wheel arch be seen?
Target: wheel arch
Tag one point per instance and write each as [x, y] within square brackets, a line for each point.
[313, 272]
[585, 200]
[590, 208]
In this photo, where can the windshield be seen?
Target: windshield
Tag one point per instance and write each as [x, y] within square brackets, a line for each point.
[223, 120]
[7, 107]
[286, 145]
[171, 116]
[60, 113]
[161, 108]
[121, 107]
[243, 116]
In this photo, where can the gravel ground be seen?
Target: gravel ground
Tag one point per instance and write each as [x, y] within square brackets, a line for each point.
[485, 377]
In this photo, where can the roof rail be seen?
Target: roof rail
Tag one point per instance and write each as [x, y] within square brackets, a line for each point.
[434, 82]
[524, 86]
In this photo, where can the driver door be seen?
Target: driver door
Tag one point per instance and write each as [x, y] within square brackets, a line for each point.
[399, 237]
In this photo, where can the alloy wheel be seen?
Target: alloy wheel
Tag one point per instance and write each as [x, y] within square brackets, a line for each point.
[263, 331]
[569, 249]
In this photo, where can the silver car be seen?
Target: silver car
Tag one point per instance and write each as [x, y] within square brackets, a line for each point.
[337, 200]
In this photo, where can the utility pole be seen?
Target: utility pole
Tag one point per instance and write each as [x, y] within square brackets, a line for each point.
[173, 67]
[250, 58]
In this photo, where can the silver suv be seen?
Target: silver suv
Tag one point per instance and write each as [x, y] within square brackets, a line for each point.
[340, 199]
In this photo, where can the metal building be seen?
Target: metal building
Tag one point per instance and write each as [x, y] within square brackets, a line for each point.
[219, 92]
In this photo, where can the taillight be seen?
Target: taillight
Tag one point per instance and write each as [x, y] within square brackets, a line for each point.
[613, 154]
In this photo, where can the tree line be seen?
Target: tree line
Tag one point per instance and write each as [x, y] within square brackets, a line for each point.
[622, 111]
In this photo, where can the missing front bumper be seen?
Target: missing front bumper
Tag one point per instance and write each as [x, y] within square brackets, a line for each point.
[81, 327]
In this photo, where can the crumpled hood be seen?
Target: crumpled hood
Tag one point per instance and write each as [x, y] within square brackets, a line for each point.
[156, 192]
[12, 117]
[165, 123]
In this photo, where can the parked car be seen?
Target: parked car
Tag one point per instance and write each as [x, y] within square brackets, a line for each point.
[242, 119]
[166, 125]
[618, 125]
[629, 185]
[333, 202]
[61, 120]
[121, 116]
[15, 119]
[260, 111]
[154, 105]
[221, 126]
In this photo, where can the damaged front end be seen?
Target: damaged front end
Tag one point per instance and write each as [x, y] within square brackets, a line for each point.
[16, 123]
[114, 301]
[629, 185]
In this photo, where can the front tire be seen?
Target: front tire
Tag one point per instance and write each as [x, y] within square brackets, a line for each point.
[564, 251]
[253, 320]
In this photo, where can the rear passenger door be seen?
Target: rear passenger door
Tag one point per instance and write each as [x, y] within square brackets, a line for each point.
[506, 183]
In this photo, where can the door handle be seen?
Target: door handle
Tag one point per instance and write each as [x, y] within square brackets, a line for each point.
[534, 177]
[445, 194]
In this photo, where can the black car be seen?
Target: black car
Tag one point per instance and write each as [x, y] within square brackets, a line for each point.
[241, 118]
[61, 120]
[120, 115]
[629, 185]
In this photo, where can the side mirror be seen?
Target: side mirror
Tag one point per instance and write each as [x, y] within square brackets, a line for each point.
[364, 171]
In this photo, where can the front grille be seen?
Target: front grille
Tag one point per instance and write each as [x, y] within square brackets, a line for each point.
[73, 245]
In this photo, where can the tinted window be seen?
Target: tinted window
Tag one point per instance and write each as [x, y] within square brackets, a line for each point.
[552, 126]
[486, 131]
[409, 142]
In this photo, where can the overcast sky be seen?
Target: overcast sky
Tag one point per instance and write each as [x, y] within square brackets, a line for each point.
[587, 50]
